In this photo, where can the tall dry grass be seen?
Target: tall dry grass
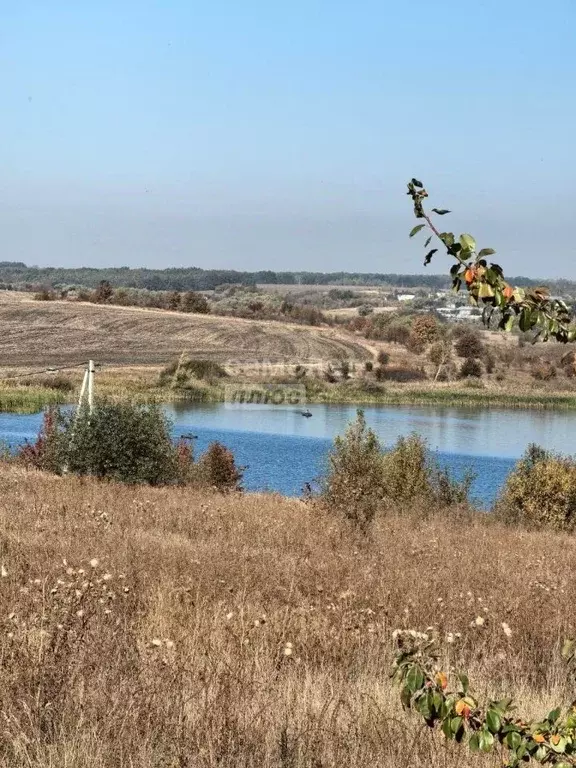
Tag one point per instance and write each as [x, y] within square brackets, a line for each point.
[168, 627]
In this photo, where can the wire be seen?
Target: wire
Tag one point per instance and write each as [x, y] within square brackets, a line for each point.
[48, 370]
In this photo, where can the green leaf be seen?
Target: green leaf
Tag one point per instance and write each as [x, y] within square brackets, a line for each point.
[474, 742]
[468, 243]
[464, 682]
[554, 715]
[428, 257]
[486, 252]
[447, 238]
[414, 679]
[427, 243]
[446, 728]
[416, 229]
[486, 741]
[493, 721]
[440, 211]
[540, 753]
[513, 740]
[509, 324]
[455, 725]
[560, 747]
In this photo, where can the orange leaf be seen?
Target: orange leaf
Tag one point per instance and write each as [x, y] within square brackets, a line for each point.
[555, 739]
[462, 709]
[508, 292]
[442, 680]
[538, 738]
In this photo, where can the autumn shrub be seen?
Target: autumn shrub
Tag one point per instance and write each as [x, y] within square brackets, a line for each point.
[540, 492]
[425, 329]
[217, 469]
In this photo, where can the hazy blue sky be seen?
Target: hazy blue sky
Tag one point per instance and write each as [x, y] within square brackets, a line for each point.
[280, 135]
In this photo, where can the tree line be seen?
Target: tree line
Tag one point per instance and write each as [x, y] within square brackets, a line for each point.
[18, 275]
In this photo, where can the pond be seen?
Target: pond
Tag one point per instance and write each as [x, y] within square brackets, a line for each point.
[283, 450]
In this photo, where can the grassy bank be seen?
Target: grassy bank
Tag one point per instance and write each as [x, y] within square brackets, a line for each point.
[168, 627]
[142, 385]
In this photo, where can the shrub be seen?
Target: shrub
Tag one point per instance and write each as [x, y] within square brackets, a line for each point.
[50, 381]
[425, 330]
[368, 366]
[344, 369]
[353, 484]
[194, 302]
[103, 292]
[46, 293]
[470, 367]
[217, 469]
[543, 370]
[400, 374]
[469, 344]
[116, 441]
[383, 357]
[540, 492]
[396, 333]
[361, 478]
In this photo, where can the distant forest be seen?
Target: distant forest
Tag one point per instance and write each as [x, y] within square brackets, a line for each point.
[17, 274]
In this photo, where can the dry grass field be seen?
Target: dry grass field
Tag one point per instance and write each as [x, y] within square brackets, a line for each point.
[51, 333]
[148, 628]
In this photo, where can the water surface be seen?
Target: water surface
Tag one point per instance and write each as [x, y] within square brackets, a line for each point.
[282, 450]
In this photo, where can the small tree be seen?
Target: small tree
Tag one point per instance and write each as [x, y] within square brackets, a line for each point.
[353, 485]
[425, 329]
[470, 367]
[440, 354]
[469, 344]
[194, 302]
[104, 292]
[217, 469]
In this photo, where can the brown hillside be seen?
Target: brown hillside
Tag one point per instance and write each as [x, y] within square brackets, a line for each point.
[61, 332]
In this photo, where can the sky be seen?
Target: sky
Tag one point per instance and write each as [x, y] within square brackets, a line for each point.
[280, 135]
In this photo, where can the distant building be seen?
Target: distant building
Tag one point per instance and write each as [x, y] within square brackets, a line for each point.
[459, 314]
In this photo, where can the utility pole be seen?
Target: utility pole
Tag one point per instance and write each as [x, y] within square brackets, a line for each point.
[90, 385]
[87, 387]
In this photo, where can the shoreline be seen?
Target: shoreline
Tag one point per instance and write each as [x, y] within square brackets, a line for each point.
[28, 400]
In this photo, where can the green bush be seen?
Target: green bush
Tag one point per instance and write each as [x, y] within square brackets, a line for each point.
[117, 441]
[124, 442]
[540, 492]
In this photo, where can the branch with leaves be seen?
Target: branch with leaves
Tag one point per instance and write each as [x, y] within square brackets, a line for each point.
[461, 717]
[532, 309]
